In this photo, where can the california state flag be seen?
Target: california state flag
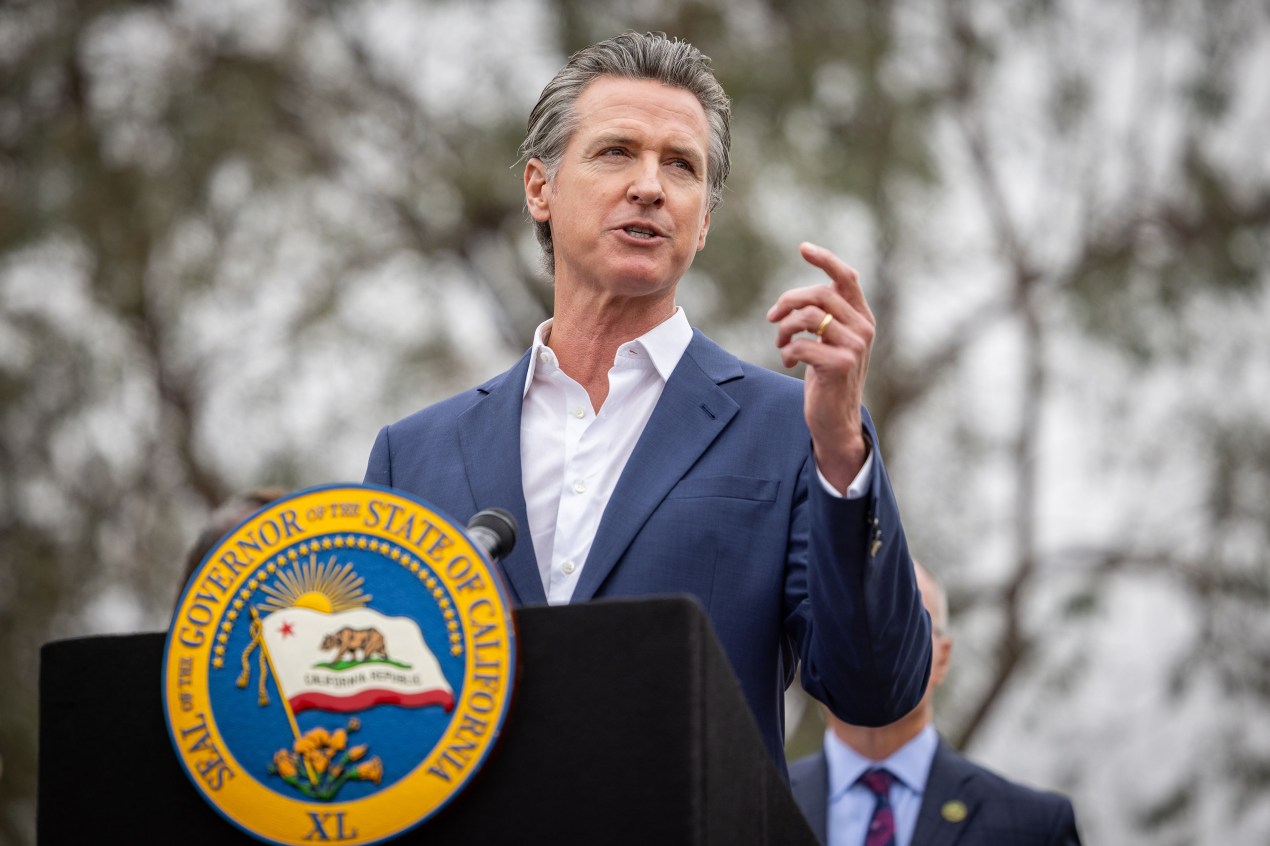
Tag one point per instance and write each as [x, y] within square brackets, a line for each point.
[352, 660]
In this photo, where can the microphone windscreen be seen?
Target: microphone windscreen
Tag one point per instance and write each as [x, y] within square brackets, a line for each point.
[495, 529]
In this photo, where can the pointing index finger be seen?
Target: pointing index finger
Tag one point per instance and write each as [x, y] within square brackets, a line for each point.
[846, 282]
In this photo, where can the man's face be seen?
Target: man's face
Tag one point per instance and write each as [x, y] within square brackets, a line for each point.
[940, 640]
[628, 204]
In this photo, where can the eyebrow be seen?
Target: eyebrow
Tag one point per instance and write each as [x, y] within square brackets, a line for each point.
[609, 139]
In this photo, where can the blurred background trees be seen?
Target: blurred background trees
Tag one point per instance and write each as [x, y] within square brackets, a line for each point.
[236, 238]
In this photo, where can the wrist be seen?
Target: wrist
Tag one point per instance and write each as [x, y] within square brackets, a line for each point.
[841, 463]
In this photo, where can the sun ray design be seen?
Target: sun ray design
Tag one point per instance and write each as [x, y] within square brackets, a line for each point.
[323, 586]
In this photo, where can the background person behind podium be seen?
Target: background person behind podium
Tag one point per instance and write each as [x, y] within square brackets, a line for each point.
[227, 515]
[938, 796]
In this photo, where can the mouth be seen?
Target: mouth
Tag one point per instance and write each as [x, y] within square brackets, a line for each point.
[641, 231]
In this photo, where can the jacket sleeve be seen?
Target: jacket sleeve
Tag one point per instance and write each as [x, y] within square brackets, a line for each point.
[854, 613]
[379, 467]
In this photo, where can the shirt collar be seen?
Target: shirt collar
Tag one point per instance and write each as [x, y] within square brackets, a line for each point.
[664, 345]
[910, 763]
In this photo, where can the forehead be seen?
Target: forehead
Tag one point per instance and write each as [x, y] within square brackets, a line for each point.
[641, 106]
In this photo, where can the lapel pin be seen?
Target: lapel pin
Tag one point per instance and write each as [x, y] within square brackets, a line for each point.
[954, 811]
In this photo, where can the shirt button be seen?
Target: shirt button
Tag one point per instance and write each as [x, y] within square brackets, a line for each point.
[544, 356]
[579, 413]
[568, 567]
[579, 486]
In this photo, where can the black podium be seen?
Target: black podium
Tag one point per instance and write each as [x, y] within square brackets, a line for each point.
[627, 726]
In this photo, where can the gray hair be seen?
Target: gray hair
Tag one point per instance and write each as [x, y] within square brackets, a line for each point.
[630, 55]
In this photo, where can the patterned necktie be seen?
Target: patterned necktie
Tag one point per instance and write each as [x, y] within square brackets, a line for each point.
[882, 826]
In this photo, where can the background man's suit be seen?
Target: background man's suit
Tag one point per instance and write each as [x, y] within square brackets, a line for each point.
[998, 812]
[721, 500]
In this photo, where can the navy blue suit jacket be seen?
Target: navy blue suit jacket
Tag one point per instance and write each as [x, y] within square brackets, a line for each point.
[719, 500]
[997, 812]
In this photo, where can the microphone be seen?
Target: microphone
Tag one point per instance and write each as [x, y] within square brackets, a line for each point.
[495, 530]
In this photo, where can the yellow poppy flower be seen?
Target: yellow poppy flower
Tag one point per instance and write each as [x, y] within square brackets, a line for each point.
[312, 740]
[372, 770]
[284, 764]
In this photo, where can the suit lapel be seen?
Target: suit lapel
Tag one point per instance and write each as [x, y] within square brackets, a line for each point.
[489, 437]
[949, 789]
[691, 413]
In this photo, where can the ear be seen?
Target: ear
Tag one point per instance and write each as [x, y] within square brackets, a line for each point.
[705, 229]
[941, 657]
[537, 191]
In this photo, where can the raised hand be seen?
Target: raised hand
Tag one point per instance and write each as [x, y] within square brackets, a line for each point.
[830, 329]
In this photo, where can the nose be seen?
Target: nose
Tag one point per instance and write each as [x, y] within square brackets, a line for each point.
[645, 188]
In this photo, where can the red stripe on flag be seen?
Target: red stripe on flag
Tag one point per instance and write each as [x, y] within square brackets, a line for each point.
[368, 698]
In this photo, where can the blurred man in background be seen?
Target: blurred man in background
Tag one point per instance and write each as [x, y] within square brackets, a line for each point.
[902, 785]
[227, 515]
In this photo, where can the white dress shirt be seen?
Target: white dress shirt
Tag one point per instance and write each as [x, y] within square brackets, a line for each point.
[572, 456]
[851, 804]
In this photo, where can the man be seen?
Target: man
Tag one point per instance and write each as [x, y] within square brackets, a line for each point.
[926, 792]
[644, 459]
[227, 516]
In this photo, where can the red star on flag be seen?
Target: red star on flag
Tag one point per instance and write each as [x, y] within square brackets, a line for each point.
[287, 629]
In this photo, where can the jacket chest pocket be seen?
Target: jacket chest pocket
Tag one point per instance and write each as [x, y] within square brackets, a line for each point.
[728, 536]
[726, 487]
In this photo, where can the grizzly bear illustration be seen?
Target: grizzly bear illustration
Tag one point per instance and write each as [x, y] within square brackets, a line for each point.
[349, 641]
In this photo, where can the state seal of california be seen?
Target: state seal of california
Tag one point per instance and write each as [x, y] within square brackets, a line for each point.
[338, 667]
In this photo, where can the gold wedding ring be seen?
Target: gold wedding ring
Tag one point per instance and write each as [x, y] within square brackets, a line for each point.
[824, 324]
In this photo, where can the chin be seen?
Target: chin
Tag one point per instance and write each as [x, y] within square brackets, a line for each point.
[652, 271]
[643, 277]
